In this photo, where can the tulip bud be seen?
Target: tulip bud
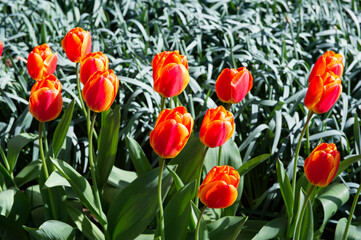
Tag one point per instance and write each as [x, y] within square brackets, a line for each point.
[171, 132]
[232, 85]
[323, 92]
[1, 48]
[217, 127]
[219, 188]
[76, 44]
[328, 62]
[41, 62]
[100, 90]
[322, 164]
[91, 63]
[45, 102]
[170, 73]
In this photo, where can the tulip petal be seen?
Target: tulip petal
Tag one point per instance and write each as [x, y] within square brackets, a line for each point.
[35, 66]
[50, 63]
[240, 85]
[318, 69]
[223, 89]
[314, 92]
[87, 45]
[329, 97]
[45, 104]
[319, 168]
[218, 194]
[216, 133]
[73, 47]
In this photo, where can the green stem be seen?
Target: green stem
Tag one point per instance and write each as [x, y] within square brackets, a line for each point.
[219, 155]
[91, 162]
[162, 103]
[310, 113]
[46, 173]
[354, 203]
[79, 92]
[160, 199]
[308, 140]
[46, 146]
[298, 229]
[229, 106]
[6, 162]
[196, 237]
[200, 172]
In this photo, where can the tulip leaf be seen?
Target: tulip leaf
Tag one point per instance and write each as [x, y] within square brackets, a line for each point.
[140, 161]
[226, 228]
[52, 230]
[285, 187]
[135, 206]
[176, 179]
[306, 226]
[354, 231]
[87, 227]
[250, 164]
[16, 144]
[56, 179]
[28, 173]
[346, 162]
[107, 145]
[62, 128]
[273, 229]
[81, 187]
[332, 198]
[120, 178]
[6, 201]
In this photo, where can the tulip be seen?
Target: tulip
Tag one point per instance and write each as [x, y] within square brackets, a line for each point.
[217, 127]
[45, 102]
[76, 44]
[219, 188]
[91, 63]
[1, 48]
[170, 73]
[322, 164]
[323, 92]
[328, 62]
[41, 62]
[100, 90]
[171, 132]
[232, 85]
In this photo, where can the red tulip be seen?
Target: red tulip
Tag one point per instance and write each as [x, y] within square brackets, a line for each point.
[45, 102]
[41, 62]
[232, 85]
[91, 63]
[76, 44]
[171, 132]
[219, 188]
[217, 127]
[322, 164]
[328, 62]
[100, 90]
[323, 92]
[170, 73]
[1, 48]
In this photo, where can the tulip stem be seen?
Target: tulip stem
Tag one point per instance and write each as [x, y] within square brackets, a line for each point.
[91, 162]
[219, 155]
[160, 200]
[298, 229]
[79, 92]
[354, 203]
[229, 106]
[162, 103]
[196, 237]
[200, 173]
[46, 173]
[310, 113]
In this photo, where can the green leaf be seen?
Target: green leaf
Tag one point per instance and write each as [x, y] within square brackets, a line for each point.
[249, 165]
[6, 201]
[347, 161]
[140, 161]
[176, 179]
[273, 229]
[16, 144]
[56, 179]
[226, 228]
[332, 198]
[87, 227]
[136, 205]
[307, 221]
[177, 212]
[62, 128]
[107, 145]
[28, 173]
[354, 232]
[52, 230]
[285, 187]
[120, 178]
[81, 187]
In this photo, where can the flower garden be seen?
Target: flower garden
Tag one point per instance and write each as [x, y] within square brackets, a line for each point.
[180, 120]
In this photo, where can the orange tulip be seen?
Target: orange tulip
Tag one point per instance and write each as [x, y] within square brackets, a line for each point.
[328, 62]
[323, 92]
[171, 132]
[76, 44]
[170, 73]
[91, 63]
[41, 62]
[1, 48]
[322, 164]
[232, 85]
[100, 90]
[45, 102]
[217, 127]
[219, 188]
